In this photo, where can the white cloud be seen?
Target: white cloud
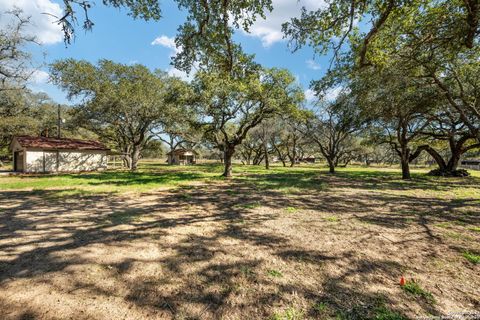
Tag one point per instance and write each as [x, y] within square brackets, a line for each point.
[165, 41]
[269, 30]
[310, 95]
[169, 43]
[311, 64]
[43, 25]
[332, 94]
[39, 77]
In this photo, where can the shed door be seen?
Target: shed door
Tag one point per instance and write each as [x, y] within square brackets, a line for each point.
[18, 161]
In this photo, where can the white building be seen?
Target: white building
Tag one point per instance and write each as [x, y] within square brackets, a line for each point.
[473, 164]
[45, 154]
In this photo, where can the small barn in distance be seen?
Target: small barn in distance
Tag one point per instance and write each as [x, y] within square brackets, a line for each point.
[307, 159]
[182, 157]
[473, 164]
[45, 154]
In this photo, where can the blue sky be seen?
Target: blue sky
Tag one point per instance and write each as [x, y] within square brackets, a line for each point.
[118, 37]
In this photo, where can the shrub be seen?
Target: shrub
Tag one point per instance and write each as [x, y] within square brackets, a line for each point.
[454, 173]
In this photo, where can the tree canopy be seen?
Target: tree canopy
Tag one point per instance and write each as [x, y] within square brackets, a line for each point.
[122, 104]
[231, 107]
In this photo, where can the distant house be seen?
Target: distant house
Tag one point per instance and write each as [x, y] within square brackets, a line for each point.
[182, 157]
[307, 159]
[44, 154]
[470, 164]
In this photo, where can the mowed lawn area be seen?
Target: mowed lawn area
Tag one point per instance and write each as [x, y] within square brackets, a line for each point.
[172, 242]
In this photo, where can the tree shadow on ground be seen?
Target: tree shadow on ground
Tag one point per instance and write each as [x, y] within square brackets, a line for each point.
[313, 180]
[213, 251]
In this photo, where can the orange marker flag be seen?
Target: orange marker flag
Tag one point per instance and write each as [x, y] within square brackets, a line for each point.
[402, 281]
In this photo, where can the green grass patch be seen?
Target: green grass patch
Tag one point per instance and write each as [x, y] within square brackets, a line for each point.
[122, 217]
[290, 313]
[473, 258]
[286, 180]
[117, 181]
[314, 178]
[320, 307]
[247, 271]
[459, 236]
[274, 273]
[291, 209]
[413, 288]
[332, 219]
[444, 225]
[476, 229]
[384, 313]
[251, 205]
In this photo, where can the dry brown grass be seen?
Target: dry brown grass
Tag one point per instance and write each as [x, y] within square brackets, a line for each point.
[236, 250]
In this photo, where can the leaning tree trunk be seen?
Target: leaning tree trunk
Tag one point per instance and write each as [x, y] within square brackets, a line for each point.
[346, 163]
[448, 168]
[227, 160]
[280, 156]
[126, 161]
[442, 165]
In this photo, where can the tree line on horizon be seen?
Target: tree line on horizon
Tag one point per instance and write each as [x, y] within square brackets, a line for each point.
[408, 86]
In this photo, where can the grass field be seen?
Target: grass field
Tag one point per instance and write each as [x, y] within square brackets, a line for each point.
[173, 242]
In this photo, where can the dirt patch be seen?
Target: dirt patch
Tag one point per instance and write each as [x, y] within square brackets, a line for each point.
[227, 250]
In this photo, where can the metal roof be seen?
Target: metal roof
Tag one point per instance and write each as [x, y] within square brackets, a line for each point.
[58, 143]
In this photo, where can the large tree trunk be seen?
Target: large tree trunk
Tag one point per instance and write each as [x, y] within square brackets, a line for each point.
[405, 159]
[452, 164]
[228, 155]
[331, 166]
[405, 167]
[456, 149]
[135, 157]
